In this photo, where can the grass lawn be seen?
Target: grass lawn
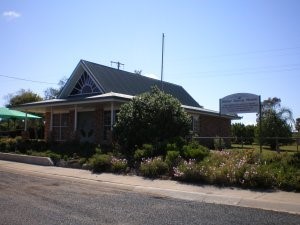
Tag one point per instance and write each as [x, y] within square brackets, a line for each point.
[266, 149]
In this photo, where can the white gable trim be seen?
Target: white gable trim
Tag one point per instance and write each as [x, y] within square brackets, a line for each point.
[89, 72]
[74, 78]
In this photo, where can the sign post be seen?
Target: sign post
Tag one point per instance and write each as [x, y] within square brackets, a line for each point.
[260, 139]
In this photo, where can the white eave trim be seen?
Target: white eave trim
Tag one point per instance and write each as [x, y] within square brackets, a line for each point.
[208, 112]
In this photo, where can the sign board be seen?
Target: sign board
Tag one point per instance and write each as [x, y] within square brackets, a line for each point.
[240, 103]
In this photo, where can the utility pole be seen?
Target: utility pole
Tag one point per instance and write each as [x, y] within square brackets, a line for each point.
[118, 64]
[162, 61]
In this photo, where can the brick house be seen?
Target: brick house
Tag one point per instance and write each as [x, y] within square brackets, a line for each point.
[86, 107]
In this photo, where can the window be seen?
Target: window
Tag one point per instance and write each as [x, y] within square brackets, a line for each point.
[85, 85]
[60, 126]
[107, 122]
[194, 124]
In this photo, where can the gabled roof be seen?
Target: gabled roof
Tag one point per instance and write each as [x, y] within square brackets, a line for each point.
[113, 80]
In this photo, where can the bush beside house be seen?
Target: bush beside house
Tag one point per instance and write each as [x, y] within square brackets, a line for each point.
[155, 118]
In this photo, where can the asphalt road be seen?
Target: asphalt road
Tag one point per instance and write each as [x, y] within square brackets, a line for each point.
[30, 199]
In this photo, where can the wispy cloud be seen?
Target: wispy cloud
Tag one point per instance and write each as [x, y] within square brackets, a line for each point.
[10, 15]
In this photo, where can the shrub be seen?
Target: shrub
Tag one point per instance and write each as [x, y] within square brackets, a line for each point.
[3, 145]
[100, 162]
[118, 165]
[189, 171]
[68, 148]
[172, 147]
[195, 151]
[145, 152]
[295, 160]
[153, 167]
[172, 158]
[264, 178]
[11, 144]
[154, 117]
[54, 156]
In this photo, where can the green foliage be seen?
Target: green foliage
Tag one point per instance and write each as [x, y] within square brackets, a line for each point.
[243, 133]
[195, 151]
[54, 156]
[172, 147]
[295, 160]
[153, 167]
[172, 158]
[155, 117]
[2, 146]
[100, 163]
[244, 168]
[22, 97]
[21, 145]
[145, 152]
[68, 148]
[297, 125]
[272, 127]
[118, 165]
[276, 122]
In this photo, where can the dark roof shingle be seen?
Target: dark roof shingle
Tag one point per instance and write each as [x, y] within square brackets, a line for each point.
[119, 81]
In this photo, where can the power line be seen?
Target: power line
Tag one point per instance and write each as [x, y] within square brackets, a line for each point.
[28, 80]
[247, 69]
[245, 53]
[246, 72]
[254, 52]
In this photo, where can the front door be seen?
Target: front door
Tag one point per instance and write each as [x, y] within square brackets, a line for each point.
[86, 126]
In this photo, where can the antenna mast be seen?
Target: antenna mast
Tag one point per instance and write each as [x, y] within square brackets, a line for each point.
[162, 61]
[118, 64]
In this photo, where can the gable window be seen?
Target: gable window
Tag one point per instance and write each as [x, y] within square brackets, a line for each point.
[85, 85]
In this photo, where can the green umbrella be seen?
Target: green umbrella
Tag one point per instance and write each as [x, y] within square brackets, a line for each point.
[6, 113]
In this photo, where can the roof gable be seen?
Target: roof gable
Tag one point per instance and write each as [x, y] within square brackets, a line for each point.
[81, 83]
[108, 79]
[85, 85]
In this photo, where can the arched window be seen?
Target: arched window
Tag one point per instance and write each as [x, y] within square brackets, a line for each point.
[85, 85]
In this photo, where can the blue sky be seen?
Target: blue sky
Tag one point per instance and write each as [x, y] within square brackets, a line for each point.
[212, 48]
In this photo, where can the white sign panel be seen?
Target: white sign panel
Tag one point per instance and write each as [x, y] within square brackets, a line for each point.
[240, 103]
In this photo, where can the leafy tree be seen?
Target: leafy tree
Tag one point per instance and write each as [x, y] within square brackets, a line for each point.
[154, 118]
[297, 124]
[22, 97]
[51, 93]
[276, 122]
[243, 133]
[274, 105]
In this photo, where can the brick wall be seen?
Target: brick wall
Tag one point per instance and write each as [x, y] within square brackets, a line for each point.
[99, 125]
[211, 126]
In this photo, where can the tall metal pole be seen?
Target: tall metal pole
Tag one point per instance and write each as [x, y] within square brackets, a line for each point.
[162, 61]
[260, 117]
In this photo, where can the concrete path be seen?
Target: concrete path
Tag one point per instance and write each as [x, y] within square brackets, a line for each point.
[273, 200]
